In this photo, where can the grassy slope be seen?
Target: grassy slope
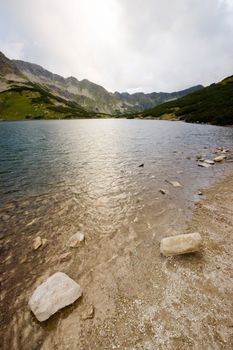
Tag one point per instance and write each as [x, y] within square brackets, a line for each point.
[213, 104]
[31, 101]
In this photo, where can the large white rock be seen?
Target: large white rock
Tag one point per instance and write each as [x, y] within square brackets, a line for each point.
[181, 244]
[58, 291]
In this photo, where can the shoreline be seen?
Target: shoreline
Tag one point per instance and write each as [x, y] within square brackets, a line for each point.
[114, 118]
[141, 299]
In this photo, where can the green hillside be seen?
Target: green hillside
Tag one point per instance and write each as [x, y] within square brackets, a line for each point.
[31, 101]
[213, 104]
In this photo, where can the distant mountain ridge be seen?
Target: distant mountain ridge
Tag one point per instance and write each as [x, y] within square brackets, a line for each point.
[93, 100]
[94, 97]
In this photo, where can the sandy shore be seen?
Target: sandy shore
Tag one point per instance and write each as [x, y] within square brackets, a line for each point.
[141, 300]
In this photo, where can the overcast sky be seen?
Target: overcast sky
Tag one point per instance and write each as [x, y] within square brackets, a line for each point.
[124, 45]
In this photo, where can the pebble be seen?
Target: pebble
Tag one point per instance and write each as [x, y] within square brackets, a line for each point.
[203, 165]
[208, 161]
[65, 257]
[219, 159]
[76, 239]
[37, 243]
[174, 183]
[88, 313]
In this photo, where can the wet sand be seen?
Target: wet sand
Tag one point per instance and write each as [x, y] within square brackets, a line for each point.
[141, 300]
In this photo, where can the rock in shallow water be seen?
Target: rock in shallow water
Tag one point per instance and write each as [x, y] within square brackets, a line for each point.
[37, 242]
[204, 165]
[181, 244]
[174, 183]
[58, 291]
[219, 159]
[76, 239]
[208, 161]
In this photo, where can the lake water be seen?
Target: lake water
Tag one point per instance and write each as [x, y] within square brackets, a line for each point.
[92, 166]
[57, 177]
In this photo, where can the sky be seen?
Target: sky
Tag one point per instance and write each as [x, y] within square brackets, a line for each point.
[123, 45]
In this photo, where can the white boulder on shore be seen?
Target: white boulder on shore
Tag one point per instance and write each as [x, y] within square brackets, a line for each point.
[181, 244]
[58, 291]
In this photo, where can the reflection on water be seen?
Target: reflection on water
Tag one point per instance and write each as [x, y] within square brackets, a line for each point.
[94, 163]
[91, 166]
[58, 176]
[99, 158]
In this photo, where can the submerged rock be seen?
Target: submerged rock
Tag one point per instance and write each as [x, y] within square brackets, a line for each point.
[88, 313]
[199, 157]
[208, 161]
[37, 243]
[203, 165]
[181, 244]
[58, 291]
[76, 239]
[174, 183]
[65, 257]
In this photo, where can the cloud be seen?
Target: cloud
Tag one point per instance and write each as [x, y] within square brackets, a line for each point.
[133, 45]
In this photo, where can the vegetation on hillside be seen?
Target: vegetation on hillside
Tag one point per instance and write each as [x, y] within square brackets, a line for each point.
[31, 101]
[213, 104]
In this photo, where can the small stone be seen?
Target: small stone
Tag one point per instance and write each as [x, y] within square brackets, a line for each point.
[44, 242]
[200, 193]
[162, 191]
[174, 183]
[65, 257]
[6, 217]
[141, 165]
[88, 313]
[37, 243]
[219, 159]
[76, 239]
[198, 157]
[203, 165]
[180, 244]
[58, 291]
[208, 161]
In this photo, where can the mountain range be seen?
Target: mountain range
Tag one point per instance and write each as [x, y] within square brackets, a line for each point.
[213, 104]
[37, 93]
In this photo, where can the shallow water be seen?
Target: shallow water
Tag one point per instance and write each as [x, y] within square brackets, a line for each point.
[92, 166]
[59, 176]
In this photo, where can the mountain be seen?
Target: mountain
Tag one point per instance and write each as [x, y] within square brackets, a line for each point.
[29, 90]
[213, 104]
[94, 97]
[23, 99]
[142, 101]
